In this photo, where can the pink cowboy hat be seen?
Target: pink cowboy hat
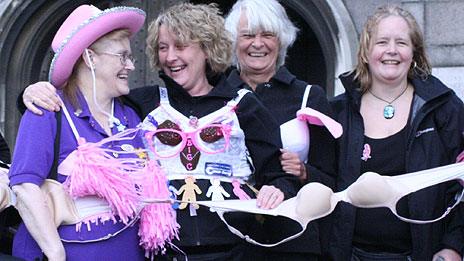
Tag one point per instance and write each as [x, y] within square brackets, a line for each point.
[84, 26]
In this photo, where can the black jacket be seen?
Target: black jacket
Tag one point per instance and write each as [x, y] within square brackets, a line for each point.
[282, 96]
[435, 108]
[260, 138]
[5, 155]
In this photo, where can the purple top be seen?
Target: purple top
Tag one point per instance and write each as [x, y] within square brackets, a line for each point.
[33, 155]
[33, 158]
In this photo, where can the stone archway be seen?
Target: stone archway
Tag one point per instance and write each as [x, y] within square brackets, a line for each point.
[326, 44]
[336, 34]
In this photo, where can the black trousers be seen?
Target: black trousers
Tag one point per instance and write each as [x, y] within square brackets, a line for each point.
[361, 255]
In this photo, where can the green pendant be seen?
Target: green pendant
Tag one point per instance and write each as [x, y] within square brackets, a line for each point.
[388, 111]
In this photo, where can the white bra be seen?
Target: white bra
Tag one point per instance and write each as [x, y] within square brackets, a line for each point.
[295, 133]
[371, 190]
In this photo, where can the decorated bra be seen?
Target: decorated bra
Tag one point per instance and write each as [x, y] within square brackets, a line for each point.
[211, 147]
[107, 180]
[295, 133]
[190, 149]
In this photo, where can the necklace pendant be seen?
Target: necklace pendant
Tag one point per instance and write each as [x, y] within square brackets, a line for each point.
[388, 111]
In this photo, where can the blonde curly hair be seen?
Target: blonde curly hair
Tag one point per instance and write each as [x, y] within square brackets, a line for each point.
[201, 24]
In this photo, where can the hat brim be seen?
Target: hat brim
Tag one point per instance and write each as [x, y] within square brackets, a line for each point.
[88, 32]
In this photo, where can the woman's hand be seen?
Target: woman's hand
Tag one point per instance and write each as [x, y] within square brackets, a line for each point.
[292, 164]
[447, 255]
[41, 94]
[269, 197]
[36, 216]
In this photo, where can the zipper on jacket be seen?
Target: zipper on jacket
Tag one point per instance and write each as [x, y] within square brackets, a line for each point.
[197, 232]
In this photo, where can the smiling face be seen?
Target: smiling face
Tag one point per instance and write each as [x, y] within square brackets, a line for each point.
[184, 63]
[391, 51]
[111, 74]
[256, 52]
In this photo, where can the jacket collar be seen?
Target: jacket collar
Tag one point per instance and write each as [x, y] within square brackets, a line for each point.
[222, 87]
[352, 88]
[282, 75]
[427, 89]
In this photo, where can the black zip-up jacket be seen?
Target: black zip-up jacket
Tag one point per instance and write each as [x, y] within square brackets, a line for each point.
[282, 96]
[261, 136]
[435, 138]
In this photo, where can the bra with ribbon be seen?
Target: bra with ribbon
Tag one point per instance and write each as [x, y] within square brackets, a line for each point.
[212, 146]
[295, 133]
[105, 181]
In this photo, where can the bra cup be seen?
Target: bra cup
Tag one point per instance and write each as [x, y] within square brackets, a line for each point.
[295, 137]
[60, 204]
[5, 195]
[314, 200]
[371, 190]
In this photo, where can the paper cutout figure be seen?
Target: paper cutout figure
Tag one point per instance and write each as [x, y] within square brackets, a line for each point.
[216, 192]
[238, 191]
[189, 190]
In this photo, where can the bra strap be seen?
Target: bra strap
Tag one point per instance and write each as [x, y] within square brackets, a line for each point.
[252, 241]
[164, 98]
[236, 100]
[305, 96]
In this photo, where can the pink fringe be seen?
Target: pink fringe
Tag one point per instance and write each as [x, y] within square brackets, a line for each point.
[158, 223]
[96, 173]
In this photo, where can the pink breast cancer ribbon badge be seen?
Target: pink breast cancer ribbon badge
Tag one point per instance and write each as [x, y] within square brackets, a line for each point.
[366, 152]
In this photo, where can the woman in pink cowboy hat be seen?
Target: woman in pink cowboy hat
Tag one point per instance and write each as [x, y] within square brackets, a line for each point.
[90, 68]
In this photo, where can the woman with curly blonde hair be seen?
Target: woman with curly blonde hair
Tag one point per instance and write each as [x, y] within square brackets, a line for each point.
[192, 48]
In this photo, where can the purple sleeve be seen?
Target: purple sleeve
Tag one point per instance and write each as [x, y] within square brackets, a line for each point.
[33, 153]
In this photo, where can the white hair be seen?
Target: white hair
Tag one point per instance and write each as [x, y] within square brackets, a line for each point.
[265, 15]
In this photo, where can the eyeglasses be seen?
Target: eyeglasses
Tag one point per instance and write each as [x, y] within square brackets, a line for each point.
[123, 57]
[211, 139]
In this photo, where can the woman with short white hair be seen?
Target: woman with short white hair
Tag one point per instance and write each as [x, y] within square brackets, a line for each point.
[262, 33]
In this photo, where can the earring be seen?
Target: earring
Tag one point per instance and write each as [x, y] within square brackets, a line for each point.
[413, 67]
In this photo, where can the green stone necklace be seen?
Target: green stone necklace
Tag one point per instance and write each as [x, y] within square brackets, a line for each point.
[389, 110]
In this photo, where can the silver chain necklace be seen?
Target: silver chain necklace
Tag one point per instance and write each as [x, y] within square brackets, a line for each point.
[389, 110]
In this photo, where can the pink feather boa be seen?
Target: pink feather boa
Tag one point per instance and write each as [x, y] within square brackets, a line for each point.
[158, 223]
[122, 182]
[96, 173]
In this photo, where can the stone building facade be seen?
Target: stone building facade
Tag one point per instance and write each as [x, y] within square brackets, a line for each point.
[326, 46]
